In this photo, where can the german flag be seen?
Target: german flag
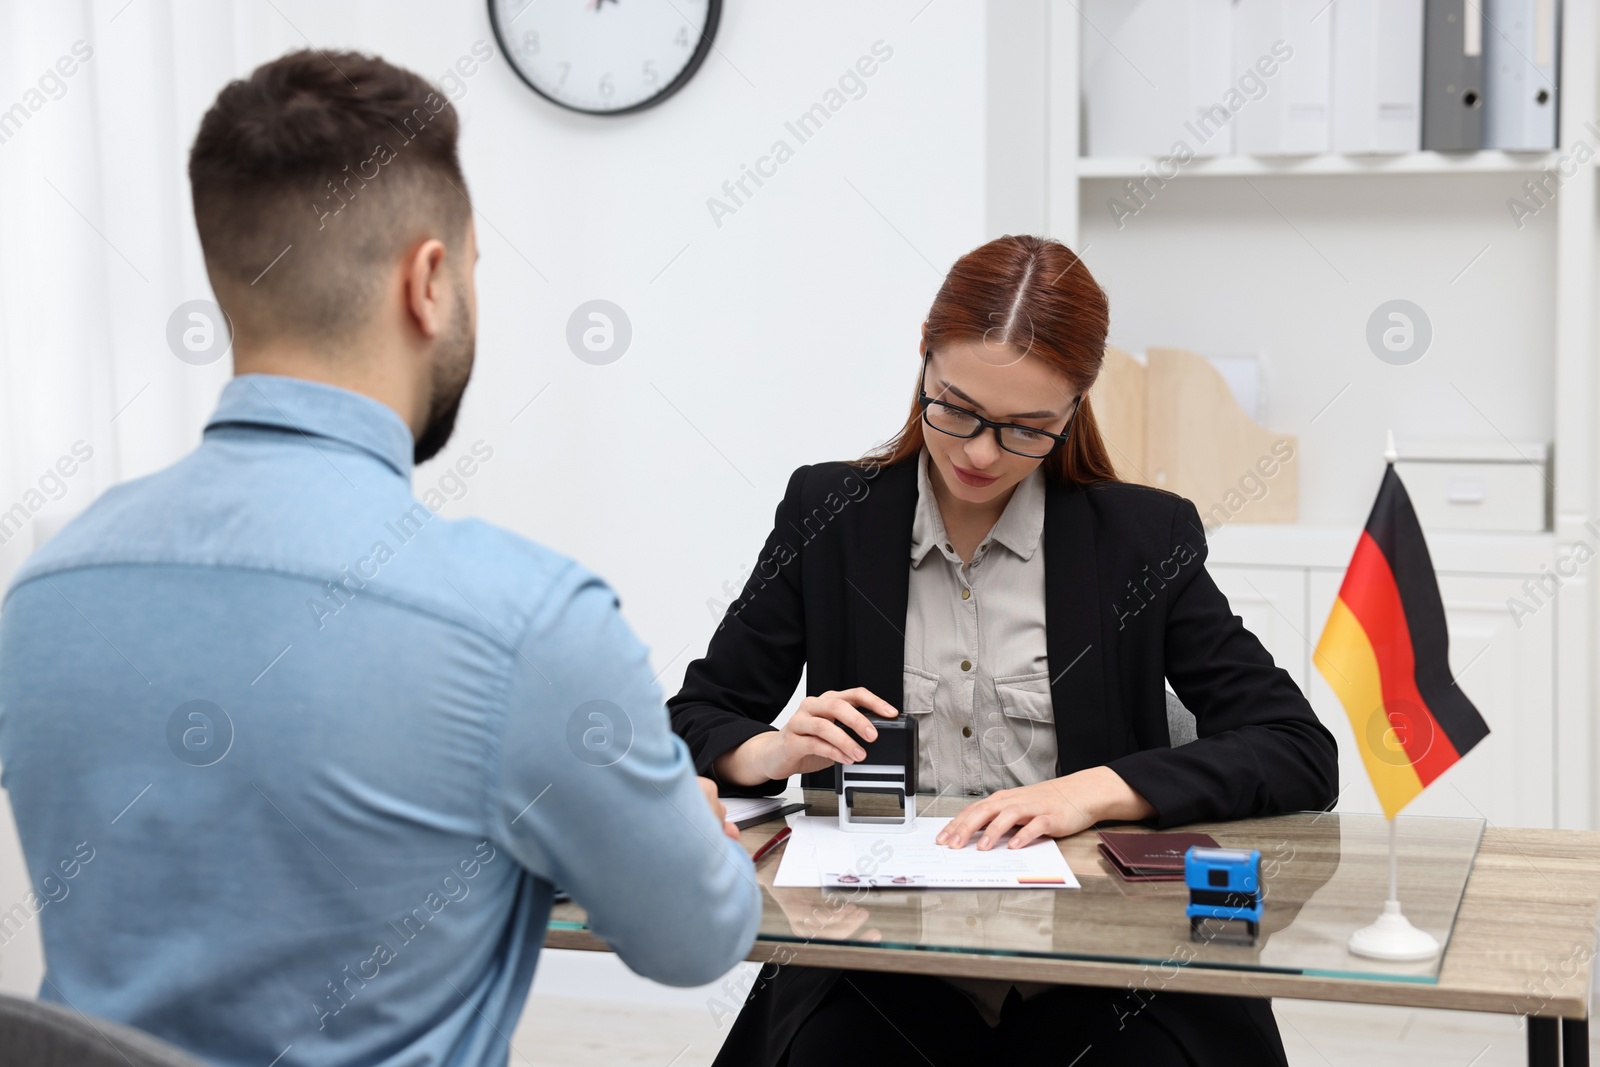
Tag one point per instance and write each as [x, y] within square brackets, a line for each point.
[1386, 653]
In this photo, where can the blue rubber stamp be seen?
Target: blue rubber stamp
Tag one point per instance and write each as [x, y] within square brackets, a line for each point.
[1224, 894]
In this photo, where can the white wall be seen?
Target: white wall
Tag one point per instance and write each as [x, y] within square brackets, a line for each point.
[785, 336]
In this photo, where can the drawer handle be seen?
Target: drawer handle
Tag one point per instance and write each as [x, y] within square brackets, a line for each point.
[1464, 491]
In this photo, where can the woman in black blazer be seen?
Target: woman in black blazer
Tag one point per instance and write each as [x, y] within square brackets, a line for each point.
[1012, 343]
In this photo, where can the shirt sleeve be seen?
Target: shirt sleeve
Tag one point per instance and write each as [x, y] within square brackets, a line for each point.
[596, 795]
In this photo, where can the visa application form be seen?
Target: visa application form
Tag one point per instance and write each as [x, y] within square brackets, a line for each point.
[819, 853]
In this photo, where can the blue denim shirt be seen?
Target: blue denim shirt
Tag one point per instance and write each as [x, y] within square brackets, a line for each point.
[296, 761]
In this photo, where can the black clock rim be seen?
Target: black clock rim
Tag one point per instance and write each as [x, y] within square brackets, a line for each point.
[703, 49]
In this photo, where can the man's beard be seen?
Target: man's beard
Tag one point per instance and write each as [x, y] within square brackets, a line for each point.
[451, 371]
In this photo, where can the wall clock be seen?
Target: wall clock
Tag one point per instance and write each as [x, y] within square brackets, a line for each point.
[605, 57]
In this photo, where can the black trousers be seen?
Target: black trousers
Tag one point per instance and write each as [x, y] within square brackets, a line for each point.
[891, 1019]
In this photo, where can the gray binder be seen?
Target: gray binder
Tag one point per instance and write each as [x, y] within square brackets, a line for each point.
[1452, 76]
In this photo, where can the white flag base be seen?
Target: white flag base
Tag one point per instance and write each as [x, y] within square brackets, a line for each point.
[1393, 937]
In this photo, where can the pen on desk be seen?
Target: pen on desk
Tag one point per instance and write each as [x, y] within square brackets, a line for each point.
[777, 839]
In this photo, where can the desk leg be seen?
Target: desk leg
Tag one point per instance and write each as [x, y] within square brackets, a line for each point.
[1574, 1043]
[1544, 1042]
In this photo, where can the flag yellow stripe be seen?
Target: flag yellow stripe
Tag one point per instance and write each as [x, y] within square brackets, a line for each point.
[1346, 660]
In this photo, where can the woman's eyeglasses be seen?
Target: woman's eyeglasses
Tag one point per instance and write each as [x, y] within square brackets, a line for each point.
[959, 422]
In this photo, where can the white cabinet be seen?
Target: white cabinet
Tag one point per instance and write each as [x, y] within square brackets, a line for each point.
[1272, 603]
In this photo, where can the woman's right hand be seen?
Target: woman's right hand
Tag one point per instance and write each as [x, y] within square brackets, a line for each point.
[810, 741]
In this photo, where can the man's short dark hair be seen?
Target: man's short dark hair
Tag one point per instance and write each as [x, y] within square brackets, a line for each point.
[310, 177]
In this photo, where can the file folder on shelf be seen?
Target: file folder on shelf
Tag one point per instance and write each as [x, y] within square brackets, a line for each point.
[1377, 76]
[1292, 116]
[1452, 75]
[1154, 74]
[1521, 43]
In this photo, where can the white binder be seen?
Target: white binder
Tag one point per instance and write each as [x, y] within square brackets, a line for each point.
[1294, 116]
[1153, 72]
[1520, 47]
[1377, 76]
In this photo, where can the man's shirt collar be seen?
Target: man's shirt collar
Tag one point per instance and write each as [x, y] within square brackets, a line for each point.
[315, 411]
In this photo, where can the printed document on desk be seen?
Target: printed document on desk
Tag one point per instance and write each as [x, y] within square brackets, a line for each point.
[819, 854]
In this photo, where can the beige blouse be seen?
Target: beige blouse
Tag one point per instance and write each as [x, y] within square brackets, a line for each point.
[976, 676]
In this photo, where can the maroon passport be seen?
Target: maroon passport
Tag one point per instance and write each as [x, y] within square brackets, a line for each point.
[1150, 857]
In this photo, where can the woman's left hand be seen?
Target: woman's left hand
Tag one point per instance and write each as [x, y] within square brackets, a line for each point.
[1054, 808]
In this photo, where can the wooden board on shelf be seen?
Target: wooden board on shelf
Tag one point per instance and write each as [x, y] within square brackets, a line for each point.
[1172, 422]
[1118, 401]
[1200, 444]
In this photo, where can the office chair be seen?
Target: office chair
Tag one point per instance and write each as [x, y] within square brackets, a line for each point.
[47, 1035]
[1180, 721]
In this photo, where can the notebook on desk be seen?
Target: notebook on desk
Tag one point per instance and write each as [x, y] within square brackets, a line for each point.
[745, 812]
[1150, 857]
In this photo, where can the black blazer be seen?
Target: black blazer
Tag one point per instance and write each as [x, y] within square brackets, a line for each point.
[1128, 602]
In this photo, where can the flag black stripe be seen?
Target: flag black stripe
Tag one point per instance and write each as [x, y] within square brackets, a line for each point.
[1393, 526]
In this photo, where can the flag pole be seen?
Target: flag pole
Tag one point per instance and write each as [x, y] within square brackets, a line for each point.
[1394, 867]
[1391, 936]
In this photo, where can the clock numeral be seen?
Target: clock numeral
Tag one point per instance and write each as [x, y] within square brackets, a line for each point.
[682, 40]
[565, 69]
[606, 88]
[650, 75]
[530, 43]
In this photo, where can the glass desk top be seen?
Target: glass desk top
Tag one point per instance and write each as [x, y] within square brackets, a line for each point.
[1324, 874]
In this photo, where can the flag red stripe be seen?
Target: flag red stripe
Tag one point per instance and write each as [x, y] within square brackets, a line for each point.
[1370, 592]
[1393, 526]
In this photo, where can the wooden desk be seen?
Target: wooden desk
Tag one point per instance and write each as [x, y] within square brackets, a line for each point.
[1523, 943]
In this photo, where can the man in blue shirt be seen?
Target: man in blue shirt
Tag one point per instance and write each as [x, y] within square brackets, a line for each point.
[295, 762]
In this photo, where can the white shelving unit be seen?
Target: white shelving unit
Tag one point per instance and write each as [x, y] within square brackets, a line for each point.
[1411, 163]
[1285, 258]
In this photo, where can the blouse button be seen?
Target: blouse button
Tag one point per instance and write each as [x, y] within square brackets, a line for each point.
[966, 664]
[966, 594]
[966, 731]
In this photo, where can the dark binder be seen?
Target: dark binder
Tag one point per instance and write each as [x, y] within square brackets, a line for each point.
[1452, 75]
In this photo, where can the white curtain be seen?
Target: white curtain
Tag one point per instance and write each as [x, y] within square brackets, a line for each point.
[97, 242]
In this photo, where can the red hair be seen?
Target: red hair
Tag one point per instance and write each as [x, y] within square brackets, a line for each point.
[1035, 294]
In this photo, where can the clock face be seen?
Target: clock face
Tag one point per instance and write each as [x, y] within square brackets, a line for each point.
[605, 57]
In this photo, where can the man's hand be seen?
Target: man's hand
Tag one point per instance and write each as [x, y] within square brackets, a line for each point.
[709, 788]
[1054, 808]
